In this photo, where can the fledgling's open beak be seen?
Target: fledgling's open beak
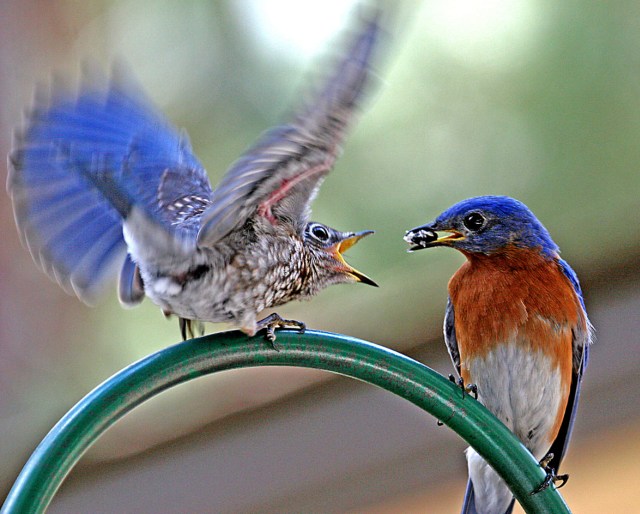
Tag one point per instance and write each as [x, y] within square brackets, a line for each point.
[426, 236]
[342, 246]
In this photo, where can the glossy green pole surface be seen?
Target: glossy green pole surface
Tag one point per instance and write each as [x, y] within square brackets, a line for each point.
[88, 419]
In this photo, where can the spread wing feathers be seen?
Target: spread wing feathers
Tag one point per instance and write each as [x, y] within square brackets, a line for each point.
[77, 167]
[582, 338]
[279, 176]
[450, 335]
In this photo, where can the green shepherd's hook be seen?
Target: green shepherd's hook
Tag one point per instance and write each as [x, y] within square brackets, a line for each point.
[86, 421]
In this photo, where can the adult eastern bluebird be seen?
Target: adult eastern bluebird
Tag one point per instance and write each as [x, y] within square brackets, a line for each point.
[516, 327]
[100, 181]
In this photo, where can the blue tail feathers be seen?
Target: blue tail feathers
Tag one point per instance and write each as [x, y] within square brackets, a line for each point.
[469, 504]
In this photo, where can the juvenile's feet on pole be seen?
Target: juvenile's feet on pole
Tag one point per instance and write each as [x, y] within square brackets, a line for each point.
[190, 327]
[273, 321]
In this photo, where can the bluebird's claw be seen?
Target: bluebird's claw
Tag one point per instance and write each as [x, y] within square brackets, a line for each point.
[466, 388]
[551, 477]
[469, 388]
[273, 321]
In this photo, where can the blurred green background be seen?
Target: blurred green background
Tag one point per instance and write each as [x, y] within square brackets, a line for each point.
[539, 100]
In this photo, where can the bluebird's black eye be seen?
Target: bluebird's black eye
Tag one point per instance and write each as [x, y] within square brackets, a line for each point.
[319, 232]
[474, 221]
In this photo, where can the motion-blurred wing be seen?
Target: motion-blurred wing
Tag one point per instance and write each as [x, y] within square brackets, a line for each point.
[78, 168]
[279, 176]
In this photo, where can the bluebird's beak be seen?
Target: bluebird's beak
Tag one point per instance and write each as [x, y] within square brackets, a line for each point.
[342, 246]
[427, 237]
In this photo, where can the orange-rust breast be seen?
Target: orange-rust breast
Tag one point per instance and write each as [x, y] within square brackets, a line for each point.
[517, 294]
[517, 297]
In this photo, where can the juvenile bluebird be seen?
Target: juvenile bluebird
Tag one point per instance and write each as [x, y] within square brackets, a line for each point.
[100, 182]
[516, 327]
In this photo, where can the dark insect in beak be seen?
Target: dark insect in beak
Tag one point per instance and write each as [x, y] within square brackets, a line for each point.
[420, 238]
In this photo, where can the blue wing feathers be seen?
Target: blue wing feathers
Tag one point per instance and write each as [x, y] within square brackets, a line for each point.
[450, 335]
[76, 168]
[582, 340]
[573, 278]
[107, 147]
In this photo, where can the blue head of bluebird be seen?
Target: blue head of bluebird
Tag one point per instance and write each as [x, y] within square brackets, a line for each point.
[484, 224]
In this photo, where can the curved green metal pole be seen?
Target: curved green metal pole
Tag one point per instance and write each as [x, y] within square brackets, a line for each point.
[88, 419]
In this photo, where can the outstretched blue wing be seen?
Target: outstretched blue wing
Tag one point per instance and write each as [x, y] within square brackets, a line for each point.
[77, 168]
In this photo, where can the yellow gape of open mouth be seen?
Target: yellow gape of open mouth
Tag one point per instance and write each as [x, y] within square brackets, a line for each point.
[342, 246]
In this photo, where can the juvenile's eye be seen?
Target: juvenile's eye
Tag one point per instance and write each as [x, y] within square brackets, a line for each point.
[319, 232]
[474, 221]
